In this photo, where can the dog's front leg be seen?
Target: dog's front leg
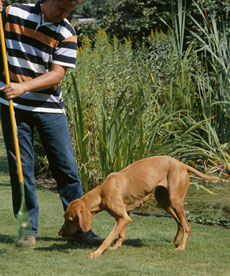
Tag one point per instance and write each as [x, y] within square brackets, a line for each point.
[120, 239]
[121, 224]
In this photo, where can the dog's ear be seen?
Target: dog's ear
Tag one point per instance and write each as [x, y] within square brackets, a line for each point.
[85, 219]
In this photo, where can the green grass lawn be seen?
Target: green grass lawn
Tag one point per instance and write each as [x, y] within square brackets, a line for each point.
[147, 250]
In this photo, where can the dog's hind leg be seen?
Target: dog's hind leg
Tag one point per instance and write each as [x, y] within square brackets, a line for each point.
[177, 203]
[179, 226]
[179, 209]
[162, 197]
[178, 181]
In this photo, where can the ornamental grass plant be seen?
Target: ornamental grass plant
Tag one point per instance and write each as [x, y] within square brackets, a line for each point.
[164, 97]
[125, 104]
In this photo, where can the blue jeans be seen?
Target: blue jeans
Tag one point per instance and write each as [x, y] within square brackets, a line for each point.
[55, 136]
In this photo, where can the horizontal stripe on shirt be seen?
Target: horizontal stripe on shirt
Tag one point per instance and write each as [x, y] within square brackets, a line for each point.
[34, 105]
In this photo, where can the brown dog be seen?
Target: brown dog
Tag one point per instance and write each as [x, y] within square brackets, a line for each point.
[127, 189]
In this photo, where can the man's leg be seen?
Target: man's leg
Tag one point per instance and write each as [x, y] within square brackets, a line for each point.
[55, 135]
[25, 137]
[54, 132]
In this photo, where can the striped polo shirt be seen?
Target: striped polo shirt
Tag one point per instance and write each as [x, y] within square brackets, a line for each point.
[33, 45]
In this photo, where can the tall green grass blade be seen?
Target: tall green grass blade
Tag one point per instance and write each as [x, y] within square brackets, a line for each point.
[82, 137]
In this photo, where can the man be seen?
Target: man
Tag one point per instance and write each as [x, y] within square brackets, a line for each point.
[41, 46]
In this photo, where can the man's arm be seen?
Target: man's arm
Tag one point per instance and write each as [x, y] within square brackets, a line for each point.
[50, 79]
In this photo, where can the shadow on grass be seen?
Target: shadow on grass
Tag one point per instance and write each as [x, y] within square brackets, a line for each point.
[7, 239]
[146, 242]
[64, 246]
[135, 242]
[2, 251]
[48, 239]
[6, 184]
[4, 164]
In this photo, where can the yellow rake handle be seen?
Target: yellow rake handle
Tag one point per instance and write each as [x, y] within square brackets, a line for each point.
[11, 107]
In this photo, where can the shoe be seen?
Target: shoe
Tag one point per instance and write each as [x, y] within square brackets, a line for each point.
[26, 241]
[88, 238]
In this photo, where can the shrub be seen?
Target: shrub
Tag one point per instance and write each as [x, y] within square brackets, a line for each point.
[134, 20]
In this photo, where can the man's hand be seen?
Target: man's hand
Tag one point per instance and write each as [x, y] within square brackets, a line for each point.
[13, 90]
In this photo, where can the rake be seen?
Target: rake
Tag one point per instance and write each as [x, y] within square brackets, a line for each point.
[22, 217]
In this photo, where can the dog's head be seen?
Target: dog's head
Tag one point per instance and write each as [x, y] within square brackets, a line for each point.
[77, 216]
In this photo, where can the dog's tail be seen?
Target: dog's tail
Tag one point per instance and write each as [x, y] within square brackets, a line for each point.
[200, 174]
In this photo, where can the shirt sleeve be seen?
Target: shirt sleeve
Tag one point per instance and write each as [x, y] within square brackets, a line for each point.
[66, 52]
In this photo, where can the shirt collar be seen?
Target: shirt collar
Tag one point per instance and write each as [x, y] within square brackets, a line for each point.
[37, 8]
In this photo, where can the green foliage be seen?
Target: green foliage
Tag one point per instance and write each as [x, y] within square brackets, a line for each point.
[97, 8]
[125, 103]
[138, 103]
[135, 19]
[10, 2]
[209, 220]
[89, 29]
[78, 131]
[214, 45]
[41, 167]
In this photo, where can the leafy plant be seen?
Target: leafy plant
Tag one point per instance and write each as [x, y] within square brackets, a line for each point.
[138, 103]
[125, 103]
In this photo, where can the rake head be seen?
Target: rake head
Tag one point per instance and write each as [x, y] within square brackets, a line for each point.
[23, 218]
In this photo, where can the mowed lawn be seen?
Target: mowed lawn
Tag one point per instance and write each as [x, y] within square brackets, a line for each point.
[147, 250]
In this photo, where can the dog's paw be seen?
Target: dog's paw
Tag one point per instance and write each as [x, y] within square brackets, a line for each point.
[117, 245]
[180, 248]
[175, 241]
[112, 247]
[94, 254]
